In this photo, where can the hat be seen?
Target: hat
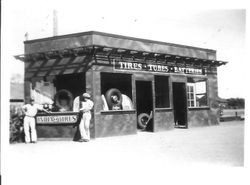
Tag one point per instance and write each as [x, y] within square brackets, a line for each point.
[86, 95]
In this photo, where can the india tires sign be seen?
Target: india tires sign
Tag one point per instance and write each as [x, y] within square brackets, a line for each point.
[56, 119]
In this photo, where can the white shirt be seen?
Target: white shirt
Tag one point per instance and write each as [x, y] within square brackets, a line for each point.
[31, 110]
[87, 105]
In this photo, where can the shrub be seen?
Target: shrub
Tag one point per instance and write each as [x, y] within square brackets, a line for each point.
[16, 125]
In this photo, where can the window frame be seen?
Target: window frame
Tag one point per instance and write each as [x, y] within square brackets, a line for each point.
[130, 95]
[195, 106]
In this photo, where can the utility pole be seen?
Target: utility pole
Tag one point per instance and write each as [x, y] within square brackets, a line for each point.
[55, 23]
[26, 36]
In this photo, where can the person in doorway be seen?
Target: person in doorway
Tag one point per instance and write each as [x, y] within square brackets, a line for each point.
[85, 106]
[29, 125]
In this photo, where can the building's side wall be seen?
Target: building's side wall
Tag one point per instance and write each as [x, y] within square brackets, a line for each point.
[55, 131]
[163, 120]
[210, 115]
[120, 123]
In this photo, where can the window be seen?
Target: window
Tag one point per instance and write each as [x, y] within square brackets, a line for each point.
[191, 95]
[116, 91]
[197, 92]
[162, 92]
[57, 93]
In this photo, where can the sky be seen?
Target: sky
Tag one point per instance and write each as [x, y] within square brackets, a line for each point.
[219, 29]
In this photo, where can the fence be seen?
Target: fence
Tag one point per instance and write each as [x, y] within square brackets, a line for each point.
[232, 114]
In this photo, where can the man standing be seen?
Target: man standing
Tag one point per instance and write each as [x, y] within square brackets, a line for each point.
[86, 105]
[29, 125]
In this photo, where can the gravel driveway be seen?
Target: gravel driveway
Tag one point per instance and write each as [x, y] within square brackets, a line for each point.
[137, 155]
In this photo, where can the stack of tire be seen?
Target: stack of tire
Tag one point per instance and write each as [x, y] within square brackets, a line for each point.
[111, 103]
[66, 95]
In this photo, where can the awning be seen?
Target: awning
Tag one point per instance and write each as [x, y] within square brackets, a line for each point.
[80, 59]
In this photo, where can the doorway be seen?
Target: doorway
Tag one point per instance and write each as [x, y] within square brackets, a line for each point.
[180, 105]
[144, 101]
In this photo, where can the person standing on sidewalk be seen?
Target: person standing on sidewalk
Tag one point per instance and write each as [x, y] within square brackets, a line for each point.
[29, 124]
[85, 106]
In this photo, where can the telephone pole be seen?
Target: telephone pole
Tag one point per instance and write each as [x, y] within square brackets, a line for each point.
[55, 23]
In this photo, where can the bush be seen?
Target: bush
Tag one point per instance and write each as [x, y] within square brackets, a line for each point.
[16, 125]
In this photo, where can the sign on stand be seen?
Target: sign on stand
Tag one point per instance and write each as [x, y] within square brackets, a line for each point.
[57, 118]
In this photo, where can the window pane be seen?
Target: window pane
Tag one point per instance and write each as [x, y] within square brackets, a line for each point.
[191, 89]
[192, 104]
[162, 92]
[192, 96]
[200, 87]
[201, 100]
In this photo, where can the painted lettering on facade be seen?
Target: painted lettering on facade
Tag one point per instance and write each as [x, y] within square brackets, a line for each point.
[56, 119]
[136, 66]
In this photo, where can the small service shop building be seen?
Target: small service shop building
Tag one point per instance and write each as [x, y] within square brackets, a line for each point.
[134, 83]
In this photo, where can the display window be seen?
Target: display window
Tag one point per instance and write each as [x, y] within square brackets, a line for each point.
[116, 91]
[57, 93]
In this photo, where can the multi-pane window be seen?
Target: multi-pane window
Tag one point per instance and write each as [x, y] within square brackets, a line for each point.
[197, 92]
[162, 92]
[191, 95]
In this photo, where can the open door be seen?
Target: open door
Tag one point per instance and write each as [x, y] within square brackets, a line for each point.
[180, 105]
[144, 103]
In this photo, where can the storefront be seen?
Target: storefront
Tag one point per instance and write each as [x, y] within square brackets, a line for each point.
[130, 81]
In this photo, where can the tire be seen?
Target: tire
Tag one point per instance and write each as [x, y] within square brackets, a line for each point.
[142, 120]
[65, 93]
[110, 102]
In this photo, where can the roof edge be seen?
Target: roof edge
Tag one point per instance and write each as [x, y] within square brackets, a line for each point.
[114, 36]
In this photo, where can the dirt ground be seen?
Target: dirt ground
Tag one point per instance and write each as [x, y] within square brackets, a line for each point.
[133, 156]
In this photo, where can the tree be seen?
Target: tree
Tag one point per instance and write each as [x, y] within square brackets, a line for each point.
[236, 103]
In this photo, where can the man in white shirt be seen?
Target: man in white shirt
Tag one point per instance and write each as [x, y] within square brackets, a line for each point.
[29, 125]
[85, 107]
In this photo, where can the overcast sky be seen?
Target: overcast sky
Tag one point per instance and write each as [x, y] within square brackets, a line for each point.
[219, 29]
